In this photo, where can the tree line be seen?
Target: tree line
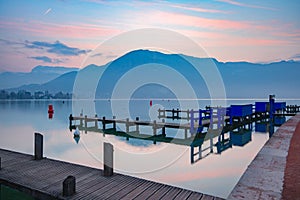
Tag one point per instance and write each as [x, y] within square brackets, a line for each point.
[23, 94]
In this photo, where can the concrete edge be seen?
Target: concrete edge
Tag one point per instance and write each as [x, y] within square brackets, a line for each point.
[263, 179]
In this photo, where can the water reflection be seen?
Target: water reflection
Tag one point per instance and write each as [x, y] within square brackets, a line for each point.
[162, 162]
[201, 145]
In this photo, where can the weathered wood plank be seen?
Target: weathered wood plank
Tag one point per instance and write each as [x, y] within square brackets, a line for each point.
[161, 192]
[184, 194]
[118, 187]
[43, 179]
[207, 197]
[149, 191]
[194, 196]
[125, 190]
[141, 188]
[171, 194]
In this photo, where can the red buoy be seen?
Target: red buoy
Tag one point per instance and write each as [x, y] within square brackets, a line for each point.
[150, 103]
[50, 109]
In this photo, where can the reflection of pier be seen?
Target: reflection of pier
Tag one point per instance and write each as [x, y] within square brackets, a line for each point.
[198, 126]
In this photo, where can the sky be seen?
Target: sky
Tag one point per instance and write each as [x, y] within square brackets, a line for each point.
[64, 32]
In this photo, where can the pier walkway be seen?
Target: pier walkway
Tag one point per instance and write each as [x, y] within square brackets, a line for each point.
[43, 179]
[274, 173]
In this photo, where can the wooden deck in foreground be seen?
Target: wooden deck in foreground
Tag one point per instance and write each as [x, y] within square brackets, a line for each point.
[43, 180]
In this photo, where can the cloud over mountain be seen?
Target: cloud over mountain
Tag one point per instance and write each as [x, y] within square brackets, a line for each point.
[55, 48]
[46, 59]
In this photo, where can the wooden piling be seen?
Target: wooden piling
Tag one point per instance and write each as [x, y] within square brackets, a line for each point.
[154, 127]
[96, 121]
[81, 121]
[69, 186]
[85, 121]
[38, 146]
[108, 159]
[127, 125]
[137, 128]
[103, 123]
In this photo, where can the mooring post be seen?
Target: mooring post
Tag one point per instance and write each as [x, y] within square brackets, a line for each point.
[38, 146]
[154, 127]
[192, 122]
[137, 129]
[69, 186]
[70, 121]
[96, 121]
[114, 123]
[85, 121]
[127, 125]
[108, 159]
[103, 123]
[81, 123]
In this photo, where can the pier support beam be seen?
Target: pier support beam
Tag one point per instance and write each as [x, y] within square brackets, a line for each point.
[69, 186]
[38, 146]
[137, 128]
[108, 159]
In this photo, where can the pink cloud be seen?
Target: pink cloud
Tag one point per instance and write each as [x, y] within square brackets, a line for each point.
[51, 30]
[193, 21]
[236, 3]
[196, 9]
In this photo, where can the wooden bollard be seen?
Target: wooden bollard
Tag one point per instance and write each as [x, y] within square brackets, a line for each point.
[96, 121]
[69, 186]
[85, 121]
[127, 125]
[114, 123]
[103, 123]
[137, 126]
[70, 121]
[81, 122]
[38, 146]
[154, 127]
[108, 159]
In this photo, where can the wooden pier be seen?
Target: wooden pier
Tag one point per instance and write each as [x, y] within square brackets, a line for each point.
[198, 125]
[44, 178]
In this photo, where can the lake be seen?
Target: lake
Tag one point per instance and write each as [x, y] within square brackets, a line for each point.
[216, 174]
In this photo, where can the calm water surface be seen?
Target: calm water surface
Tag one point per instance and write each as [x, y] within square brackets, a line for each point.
[215, 174]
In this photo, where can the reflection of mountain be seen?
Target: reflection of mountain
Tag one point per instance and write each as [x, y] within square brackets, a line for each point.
[241, 79]
[38, 75]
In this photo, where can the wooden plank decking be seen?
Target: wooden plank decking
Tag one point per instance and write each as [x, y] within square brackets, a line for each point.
[43, 180]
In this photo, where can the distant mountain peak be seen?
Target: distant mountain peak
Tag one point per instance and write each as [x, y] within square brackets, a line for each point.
[53, 69]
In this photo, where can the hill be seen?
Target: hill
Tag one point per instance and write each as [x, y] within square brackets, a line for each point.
[167, 73]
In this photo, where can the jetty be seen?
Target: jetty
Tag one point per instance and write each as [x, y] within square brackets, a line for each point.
[44, 178]
[198, 125]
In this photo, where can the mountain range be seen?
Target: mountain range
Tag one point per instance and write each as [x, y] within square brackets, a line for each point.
[241, 79]
[38, 75]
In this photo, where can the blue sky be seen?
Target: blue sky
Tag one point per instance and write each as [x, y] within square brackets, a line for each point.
[63, 32]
